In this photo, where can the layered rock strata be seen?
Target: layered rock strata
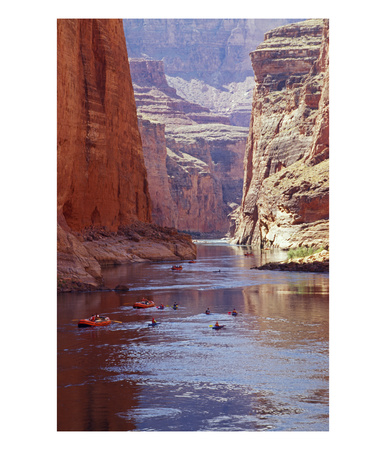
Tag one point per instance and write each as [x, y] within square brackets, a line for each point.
[286, 183]
[101, 175]
[202, 180]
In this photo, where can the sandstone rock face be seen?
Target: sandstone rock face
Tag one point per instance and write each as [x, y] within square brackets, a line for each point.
[286, 195]
[206, 60]
[98, 138]
[202, 179]
[101, 173]
[164, 209]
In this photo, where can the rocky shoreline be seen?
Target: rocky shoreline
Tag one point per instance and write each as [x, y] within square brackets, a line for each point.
[81, 256]
[319, 262]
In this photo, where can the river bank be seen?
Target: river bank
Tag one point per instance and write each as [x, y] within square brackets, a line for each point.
[318, 262]
[81, 256]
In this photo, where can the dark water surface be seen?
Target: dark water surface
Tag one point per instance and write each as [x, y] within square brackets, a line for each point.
[266, 370]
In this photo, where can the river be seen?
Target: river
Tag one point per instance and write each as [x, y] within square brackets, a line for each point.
[266, 370]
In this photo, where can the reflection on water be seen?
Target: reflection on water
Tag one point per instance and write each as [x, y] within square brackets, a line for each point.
[267, 369]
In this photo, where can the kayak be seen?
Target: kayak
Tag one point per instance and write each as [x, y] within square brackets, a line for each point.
[218, 327]
[234, 314]
[144, 304]
[192, 262]
[152, 324]
[99, 322]
[175, 307]
[161, 307]
[207, 312]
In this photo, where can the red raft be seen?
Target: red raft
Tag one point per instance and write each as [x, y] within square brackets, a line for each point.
[144, 304]
[94, 321]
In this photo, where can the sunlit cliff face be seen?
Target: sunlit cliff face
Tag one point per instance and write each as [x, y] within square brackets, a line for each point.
[286, 196]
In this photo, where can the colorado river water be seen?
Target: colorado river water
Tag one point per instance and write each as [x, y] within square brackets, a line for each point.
[266, 370]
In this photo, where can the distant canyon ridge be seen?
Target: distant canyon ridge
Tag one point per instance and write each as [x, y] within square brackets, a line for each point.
[169, 126]
[205, 60]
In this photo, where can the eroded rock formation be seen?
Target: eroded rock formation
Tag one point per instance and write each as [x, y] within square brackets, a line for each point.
[101, 174]
[202, 180]
[286, 185]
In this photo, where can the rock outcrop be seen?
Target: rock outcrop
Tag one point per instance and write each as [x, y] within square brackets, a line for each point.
[286, 185]
[318, 262]
[101, 174]
[202, 179]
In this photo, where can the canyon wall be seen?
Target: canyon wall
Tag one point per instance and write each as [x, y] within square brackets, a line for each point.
[202, 180]
[99, 143]
[206, 60]
[103, 201]
[286, 181]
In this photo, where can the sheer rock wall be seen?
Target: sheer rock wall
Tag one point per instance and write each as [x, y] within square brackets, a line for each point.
[102, 185]
[286, 180]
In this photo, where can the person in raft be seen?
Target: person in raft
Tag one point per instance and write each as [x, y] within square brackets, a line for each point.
[153, 320]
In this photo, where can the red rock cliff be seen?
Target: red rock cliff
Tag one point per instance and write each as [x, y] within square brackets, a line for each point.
[286, 182]
[103, 201]
[101, 171]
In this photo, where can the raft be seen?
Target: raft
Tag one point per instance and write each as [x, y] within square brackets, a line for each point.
[144, 304]
[177, 268]
[100, 322]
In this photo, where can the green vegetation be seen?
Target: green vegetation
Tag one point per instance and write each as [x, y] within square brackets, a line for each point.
[302, 252]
